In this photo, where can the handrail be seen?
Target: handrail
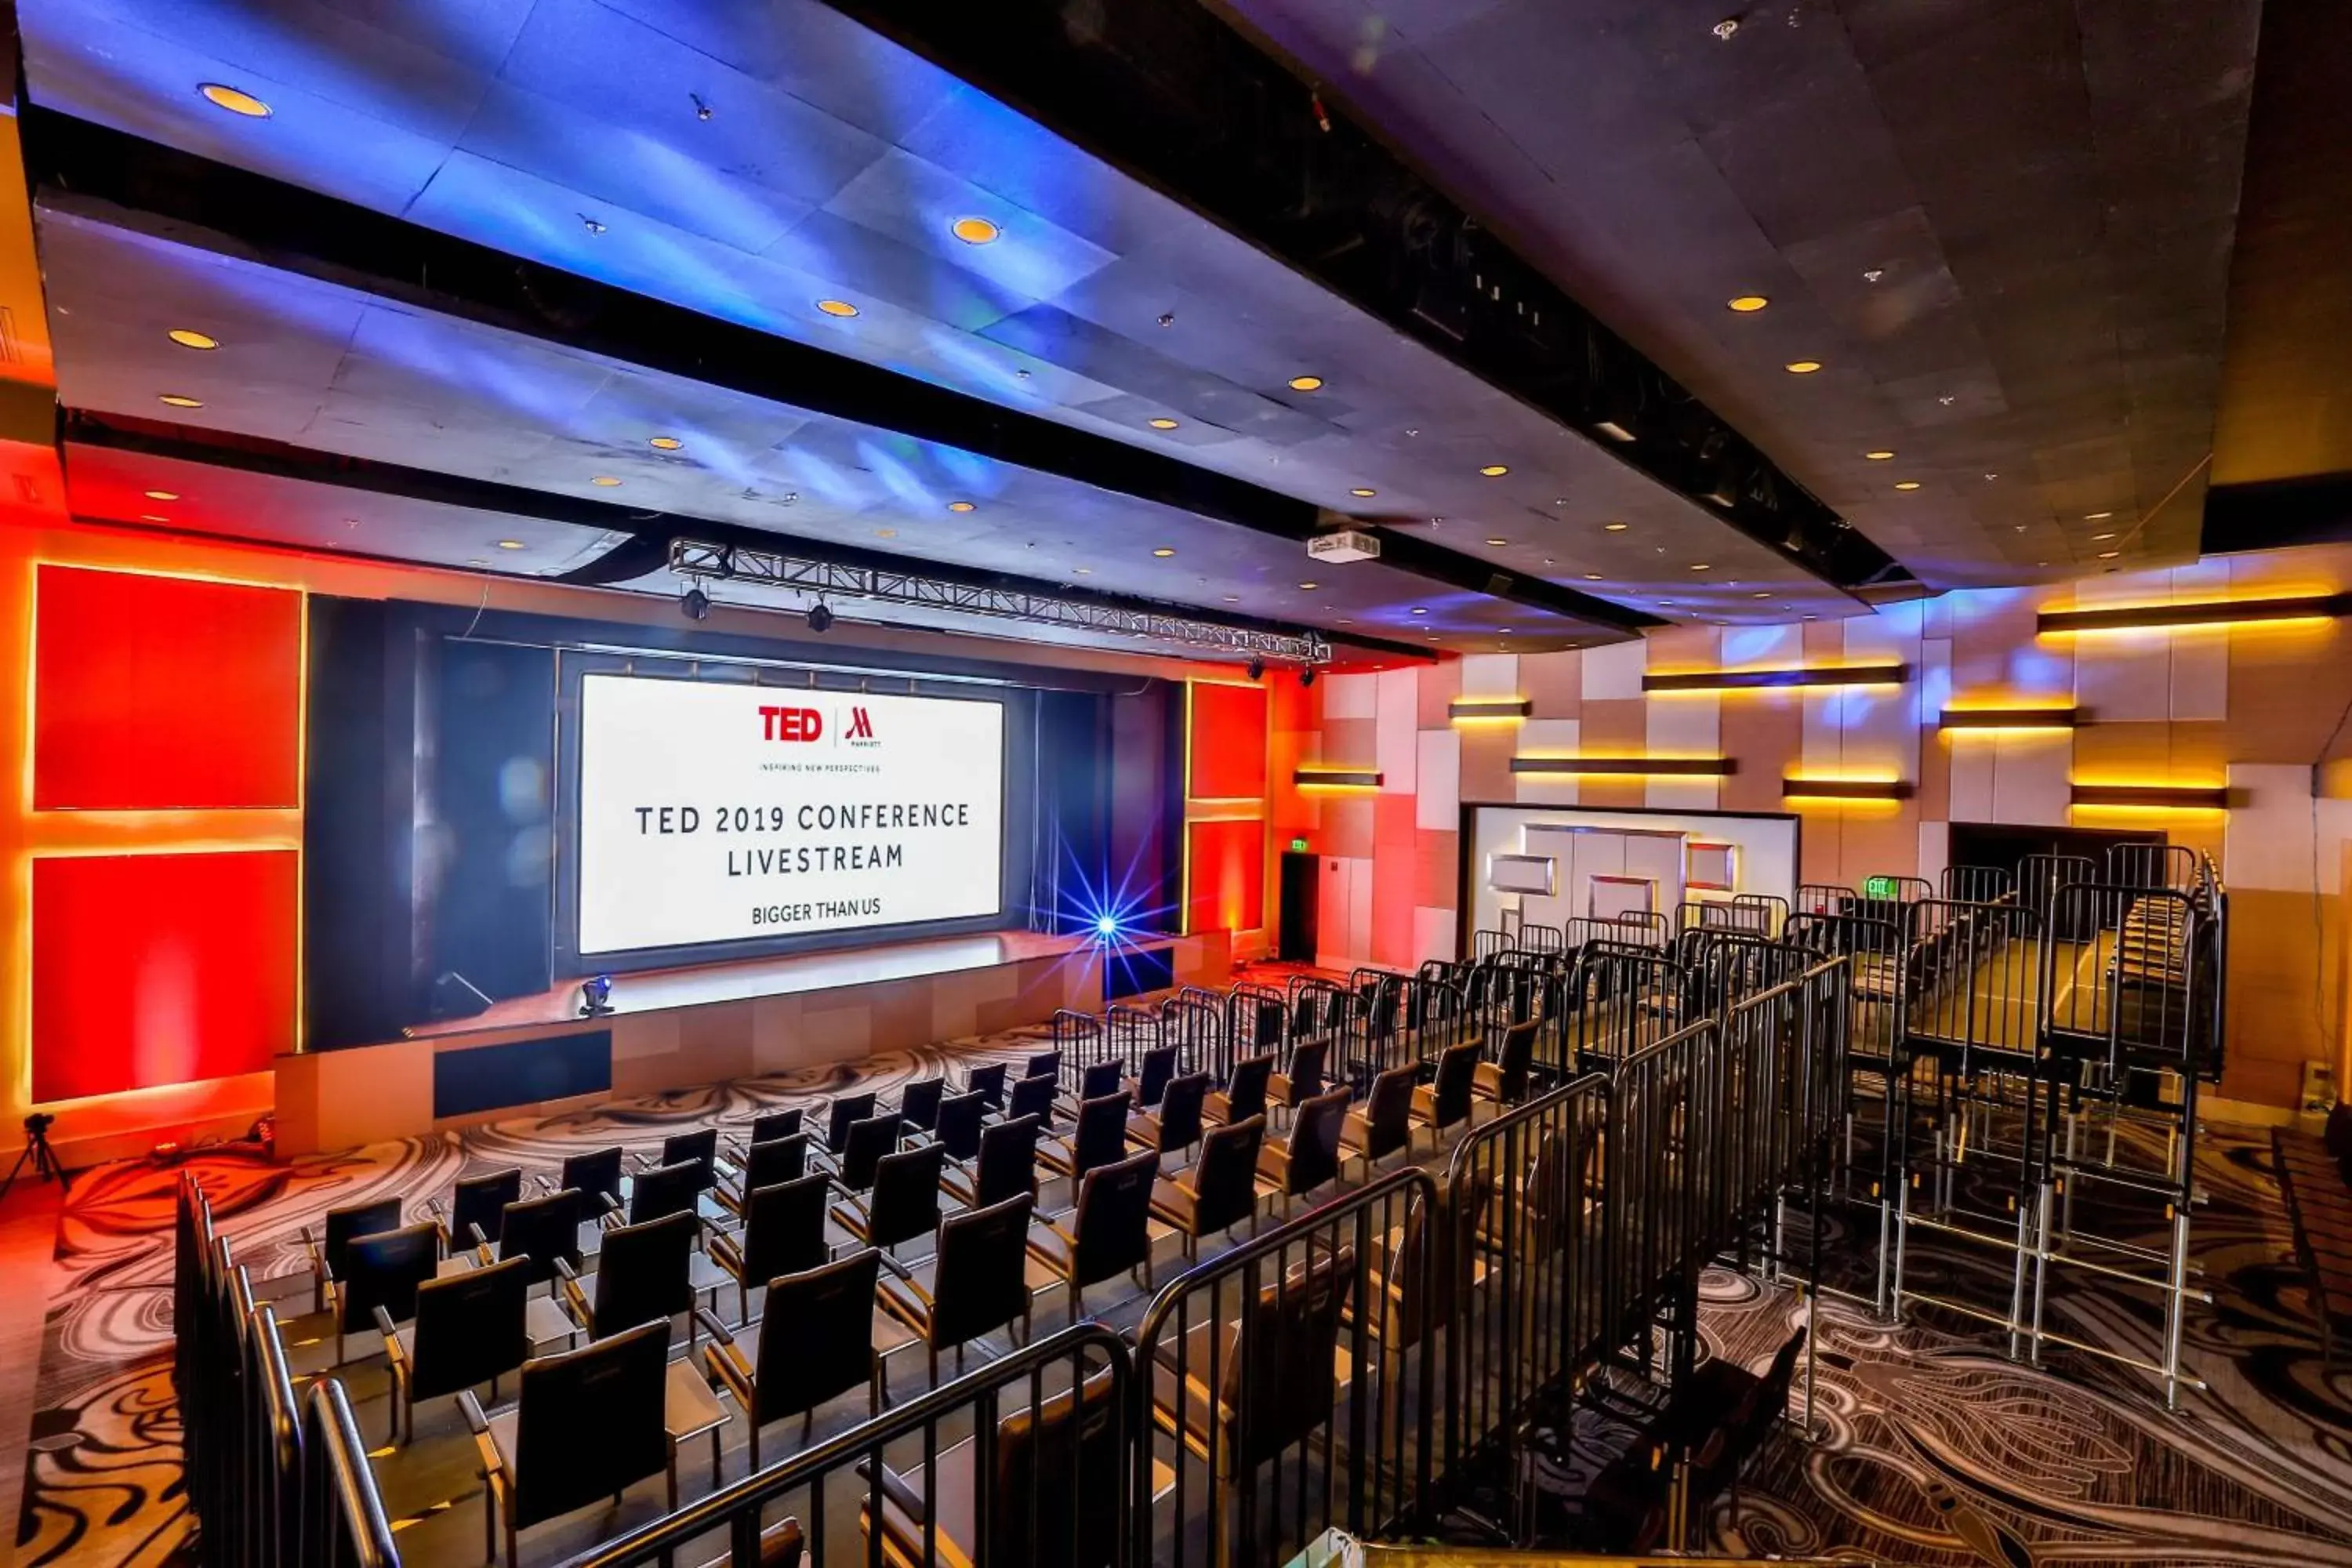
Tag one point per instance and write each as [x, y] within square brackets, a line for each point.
[358, 1509]
[739, 1505]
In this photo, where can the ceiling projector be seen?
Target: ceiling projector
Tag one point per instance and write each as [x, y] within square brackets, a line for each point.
[1348, 545]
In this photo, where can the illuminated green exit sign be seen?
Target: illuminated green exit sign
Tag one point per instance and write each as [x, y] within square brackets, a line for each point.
[1300, 844]
[1879, 887]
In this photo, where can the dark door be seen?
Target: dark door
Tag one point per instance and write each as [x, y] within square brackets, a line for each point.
[1300, 894]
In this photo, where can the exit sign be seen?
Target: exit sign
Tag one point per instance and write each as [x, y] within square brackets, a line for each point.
[1300, 844]
[1880, 889]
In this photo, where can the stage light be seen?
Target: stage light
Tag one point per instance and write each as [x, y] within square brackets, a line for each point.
[694, 603]
[820, 619]
[1106, 925]
[1257, 670]
[1307, 676]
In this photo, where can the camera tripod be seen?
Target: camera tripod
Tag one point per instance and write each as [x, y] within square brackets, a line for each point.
[36, 1149]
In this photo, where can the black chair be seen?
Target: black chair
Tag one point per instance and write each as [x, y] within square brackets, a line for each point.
[958, 1127]
[1384, 1125]
[1100, 1078]
[665, 1190]
[701, 1145]
[769, 1125]
[903, 1203]
[339, 1228]
[1032, 1096]
[1044, 1064]
[1006, 1168]
[539, 1231]
[646, 1272]
[1304, 1081]
[587, 1425]
[1219, 1190]
[382, 1270]
[472, 1327]
[765, 1164]
[987, 1083]
[783, 1232]
[1154, 1073]
[471, 1215]
[1310, 1155]
[1110, 1233]
[1504, 1081]
[595, 1175]
[1178, 1123]
[1445, 1101]
[975, 1283]
[1243, 1095]
[1053, 1462]
[1278, 1382]
[862, 1148]
[821, 1335]
[848, 1110]
[918, 1103]
[1099, 1139]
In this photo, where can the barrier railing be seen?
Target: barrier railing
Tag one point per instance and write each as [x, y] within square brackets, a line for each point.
[342, 1518]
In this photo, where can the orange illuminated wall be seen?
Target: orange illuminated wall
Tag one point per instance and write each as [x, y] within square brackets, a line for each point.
[1225, 801]
[1228, 880]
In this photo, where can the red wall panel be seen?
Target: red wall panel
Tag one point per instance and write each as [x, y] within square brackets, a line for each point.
[160, 692]
[155, 969]
[1228, 760]
[1228, 889]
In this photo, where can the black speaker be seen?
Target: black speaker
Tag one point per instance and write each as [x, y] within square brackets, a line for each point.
[455, 996]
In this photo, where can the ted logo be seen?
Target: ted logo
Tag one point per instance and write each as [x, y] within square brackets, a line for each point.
[861, 726]
[792, 723]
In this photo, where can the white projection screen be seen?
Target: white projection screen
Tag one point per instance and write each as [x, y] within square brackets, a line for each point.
[712, 814]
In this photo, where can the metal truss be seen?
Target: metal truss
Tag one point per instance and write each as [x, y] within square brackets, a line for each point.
[741, 564]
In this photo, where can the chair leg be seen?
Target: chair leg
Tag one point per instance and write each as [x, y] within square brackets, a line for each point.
[673, 1479]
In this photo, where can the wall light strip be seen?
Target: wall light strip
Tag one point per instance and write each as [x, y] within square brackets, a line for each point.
[2211, 613]
[1472, 708]
[1336, 778]
[2174, 797]
[1846, 789]
[1769, 680]
[2012, 718]
[1681, 767]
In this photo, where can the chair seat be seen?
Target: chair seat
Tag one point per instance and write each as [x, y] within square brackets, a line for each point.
[689, 1407]
[456, 1263]
[704, 1277]
[544, 1323]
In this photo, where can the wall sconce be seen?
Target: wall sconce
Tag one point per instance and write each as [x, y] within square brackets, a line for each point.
[1489, 710]
[1311, 778]
[1846, 789]
[2209, 613]
[2162, 798]
[1776, 679]
[2013, 719]
[1677, 767]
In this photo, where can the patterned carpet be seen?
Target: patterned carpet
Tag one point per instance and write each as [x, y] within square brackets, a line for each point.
[1930, 1448]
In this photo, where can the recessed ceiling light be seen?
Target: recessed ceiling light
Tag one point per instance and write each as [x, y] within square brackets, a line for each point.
[1615, 527]
[1906, 484]
[1163, 422]
[1802, 366]
[2096, 538]
[1347, 621]
[1083, 571]
[234, 99]
[665, 443]
[960, 506]
[1232, 598]
[187, 339]
[1163, 552]
[162, 495]
[1418, 610]
[2109, 554]
[180, 400]
[1881, 456]
[1746, 304]
[841, 307]
[1495, 470]
[151, 517]
[1305, 383]
[1759, 595]
[2096, 516]
[886, 534]
[1615, 431]
[1701, 567]
[974, 230]
[1498, 543]
[607, 481]
[1310, 584]
[509, 545]
[1592, 576]
[1363, 493]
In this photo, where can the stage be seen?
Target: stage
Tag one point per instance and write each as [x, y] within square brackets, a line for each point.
[675, 1028]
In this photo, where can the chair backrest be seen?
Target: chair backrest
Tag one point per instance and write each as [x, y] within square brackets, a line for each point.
[1032, 1096]
[781, 1159]
[918, 1103]
[1245, 1092]
[1388, 1110]
[987, 1082]
[816, 1336]
[957, 1125]
[905, 1199]
[542, 1229]
[1054, 1462]
[1771, 1401]
[1279, 1384]
[1457, 1074]
[355, 1220]
[1101, 1137]
[1154, 1074]
[867, 1141]
[1008, 1162]
[1044, 1064]
[479, 1201]
[1224, 1178]
[469, 1327]
[1314, 1143]
[1305, 1073]
[1100, 1078]
[664, 1190]
[1179, 1110]
[1112, 1227]
[847, 1110]
[783, 1227]
[775, 1124]
[383, 1269]
[701, 1146]
[643, 1273]
[599, 1171]
[1513, 1057]
[979, 1281]
[589, 1423]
